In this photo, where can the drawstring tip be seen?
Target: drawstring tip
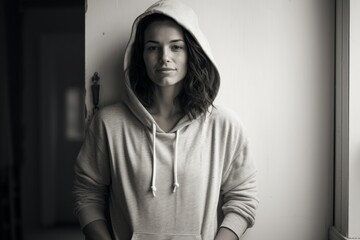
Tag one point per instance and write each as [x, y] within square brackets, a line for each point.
[176, 186]
[153, 189]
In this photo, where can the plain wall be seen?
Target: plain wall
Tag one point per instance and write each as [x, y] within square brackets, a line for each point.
[354, 120]
[276, 60]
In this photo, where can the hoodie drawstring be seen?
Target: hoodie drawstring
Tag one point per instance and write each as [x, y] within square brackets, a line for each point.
[153, 187]
[176, 184]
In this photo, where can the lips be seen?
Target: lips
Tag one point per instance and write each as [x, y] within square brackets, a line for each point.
[165, 69]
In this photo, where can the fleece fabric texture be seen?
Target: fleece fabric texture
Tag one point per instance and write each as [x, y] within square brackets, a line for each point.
[182, 184]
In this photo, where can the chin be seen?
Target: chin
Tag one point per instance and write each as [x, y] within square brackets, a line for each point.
[167, 82]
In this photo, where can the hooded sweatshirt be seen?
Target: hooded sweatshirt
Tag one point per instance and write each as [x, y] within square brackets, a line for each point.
[182, 184]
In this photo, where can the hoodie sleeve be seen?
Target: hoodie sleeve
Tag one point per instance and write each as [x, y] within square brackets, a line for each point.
[91, 176]
[239, 191]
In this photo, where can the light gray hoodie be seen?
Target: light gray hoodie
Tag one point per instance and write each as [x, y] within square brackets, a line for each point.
[183, 184]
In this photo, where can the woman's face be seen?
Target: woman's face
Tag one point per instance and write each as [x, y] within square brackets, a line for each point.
[165, 53]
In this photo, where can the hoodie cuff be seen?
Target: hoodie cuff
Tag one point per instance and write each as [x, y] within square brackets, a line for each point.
[89, 214]
[235, 223]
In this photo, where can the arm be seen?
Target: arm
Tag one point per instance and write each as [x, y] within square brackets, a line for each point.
[96, 230]
[239, 191]
[92, 179]
[226, 234]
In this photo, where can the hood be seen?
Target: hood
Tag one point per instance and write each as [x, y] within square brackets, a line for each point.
[186, 18]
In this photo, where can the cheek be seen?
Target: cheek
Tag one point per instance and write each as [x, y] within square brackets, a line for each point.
[147, 61]
[185, 63]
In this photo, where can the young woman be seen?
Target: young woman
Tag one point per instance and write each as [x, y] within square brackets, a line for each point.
[165, 162]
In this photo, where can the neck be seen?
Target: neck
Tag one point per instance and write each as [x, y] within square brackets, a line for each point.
[165, 102]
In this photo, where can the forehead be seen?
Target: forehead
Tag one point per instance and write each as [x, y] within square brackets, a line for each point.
[163, 29]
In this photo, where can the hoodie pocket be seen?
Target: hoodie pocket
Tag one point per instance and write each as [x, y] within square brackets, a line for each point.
[164, 236]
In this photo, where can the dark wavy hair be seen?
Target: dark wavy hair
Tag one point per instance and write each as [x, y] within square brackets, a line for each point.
[199, 88]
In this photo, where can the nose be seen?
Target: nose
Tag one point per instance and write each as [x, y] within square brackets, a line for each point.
[165, 55]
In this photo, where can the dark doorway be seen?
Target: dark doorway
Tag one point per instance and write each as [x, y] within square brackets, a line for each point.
[53, 69]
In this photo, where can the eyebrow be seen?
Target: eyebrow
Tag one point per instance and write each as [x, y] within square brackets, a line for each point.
[172, 41]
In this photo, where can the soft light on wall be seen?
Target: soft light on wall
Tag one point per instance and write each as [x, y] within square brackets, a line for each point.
[276, 60]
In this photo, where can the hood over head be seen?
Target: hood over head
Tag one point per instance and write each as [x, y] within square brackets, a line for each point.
[186, 18]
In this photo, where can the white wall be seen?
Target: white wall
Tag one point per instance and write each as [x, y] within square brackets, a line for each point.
[276, 60]
[354, 120]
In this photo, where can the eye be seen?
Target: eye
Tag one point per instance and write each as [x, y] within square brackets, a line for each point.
[151, 48]
[177, 47]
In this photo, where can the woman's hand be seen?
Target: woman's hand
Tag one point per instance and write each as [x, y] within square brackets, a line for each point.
[97, 230]
[225, 234]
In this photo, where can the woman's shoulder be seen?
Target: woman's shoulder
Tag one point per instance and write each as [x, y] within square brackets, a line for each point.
[111, 114]
[228, 119]
[225, 115]
[228, 123]
[111, 110]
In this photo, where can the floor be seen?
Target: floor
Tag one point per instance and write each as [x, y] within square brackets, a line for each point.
[65, 233]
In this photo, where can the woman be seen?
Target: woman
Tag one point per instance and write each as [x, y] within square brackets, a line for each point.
[165, 161]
